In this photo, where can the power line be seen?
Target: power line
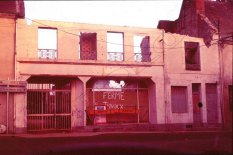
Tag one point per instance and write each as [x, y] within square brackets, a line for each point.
[115, 43]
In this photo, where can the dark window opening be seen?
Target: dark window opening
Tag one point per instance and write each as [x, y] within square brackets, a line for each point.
[192, 56]
[179, 99]
[142, 48]
[88, 46]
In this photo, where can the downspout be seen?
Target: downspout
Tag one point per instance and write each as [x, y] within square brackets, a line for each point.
[15, 77]
[15, 63]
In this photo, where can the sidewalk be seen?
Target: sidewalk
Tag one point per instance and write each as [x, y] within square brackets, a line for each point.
[88, 134]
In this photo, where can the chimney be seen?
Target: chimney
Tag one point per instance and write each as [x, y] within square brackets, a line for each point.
[200, 6]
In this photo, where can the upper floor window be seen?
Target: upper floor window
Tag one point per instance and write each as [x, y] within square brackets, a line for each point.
[192, 56]
[47, 43]
[88, 46]
[115, 46]
[142, 48]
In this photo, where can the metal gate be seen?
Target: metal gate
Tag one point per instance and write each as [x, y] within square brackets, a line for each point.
[48, 108]
[117, 106]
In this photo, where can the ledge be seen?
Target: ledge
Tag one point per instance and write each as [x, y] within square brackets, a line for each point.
[85, 62]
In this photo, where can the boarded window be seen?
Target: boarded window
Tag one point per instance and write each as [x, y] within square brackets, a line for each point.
[192, 56]
[115, 46]
[142, 48]
[88, 46]
[179, 99]
[47, 43]
[211, 103]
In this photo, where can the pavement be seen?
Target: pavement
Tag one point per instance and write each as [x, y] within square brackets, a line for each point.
[94, 133]
[127, 142]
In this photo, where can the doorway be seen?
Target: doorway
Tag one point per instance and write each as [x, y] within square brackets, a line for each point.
[49, 106]
[197, 104]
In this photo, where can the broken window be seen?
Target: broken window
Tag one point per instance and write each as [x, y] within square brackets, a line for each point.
[142, 48]
[88, 47]
[115, 46]
[179, 99]
[47, 43]
[192, 56]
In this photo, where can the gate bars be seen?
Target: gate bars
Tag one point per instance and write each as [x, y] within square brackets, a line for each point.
[48, 108]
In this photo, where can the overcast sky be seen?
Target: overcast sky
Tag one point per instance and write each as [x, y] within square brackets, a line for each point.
[123, 13]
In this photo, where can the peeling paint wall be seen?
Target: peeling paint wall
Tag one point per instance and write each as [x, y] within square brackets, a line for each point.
[69, 64]
[179, 76]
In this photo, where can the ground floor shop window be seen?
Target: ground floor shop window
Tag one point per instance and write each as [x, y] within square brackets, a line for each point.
[117, 101]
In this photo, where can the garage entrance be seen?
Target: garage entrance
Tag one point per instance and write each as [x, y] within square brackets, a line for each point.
[49, 106]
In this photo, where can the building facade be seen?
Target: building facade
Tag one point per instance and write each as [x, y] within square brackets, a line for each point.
[210, 20]
[71, 76]
[80, 75]
[10, 11]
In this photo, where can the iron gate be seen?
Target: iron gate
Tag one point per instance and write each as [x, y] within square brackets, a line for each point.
[48, 108]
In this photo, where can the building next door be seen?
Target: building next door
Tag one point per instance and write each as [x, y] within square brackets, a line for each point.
[212, 103]
[48, 106]
[197, 105]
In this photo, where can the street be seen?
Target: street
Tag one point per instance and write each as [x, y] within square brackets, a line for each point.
[117, 143]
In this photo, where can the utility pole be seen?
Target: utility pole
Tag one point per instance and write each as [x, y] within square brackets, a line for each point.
[165, 83]
[221, 76]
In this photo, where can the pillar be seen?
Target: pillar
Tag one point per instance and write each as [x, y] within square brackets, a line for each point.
[20, 103]
[78, 102]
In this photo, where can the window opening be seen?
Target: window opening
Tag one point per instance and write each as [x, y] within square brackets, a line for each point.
[88, 46]
[192, 56]
[142, 49]
[115, 46]
[47, 43]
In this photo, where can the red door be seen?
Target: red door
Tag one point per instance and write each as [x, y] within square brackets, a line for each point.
[197, 104]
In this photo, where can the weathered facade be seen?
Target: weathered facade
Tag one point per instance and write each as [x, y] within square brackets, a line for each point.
[10, 11]
[212, 21]
[79, 75]
[81, 82]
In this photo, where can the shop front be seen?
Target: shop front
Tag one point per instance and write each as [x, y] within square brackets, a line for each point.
[117, 101]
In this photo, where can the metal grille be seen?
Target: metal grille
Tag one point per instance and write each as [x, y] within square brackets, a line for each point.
[88, 46]
[125, 106]
[47, 53]
[139, 57]
[48, 108]
[115, 56]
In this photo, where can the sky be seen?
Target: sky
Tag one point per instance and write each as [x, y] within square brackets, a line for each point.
[121, 13]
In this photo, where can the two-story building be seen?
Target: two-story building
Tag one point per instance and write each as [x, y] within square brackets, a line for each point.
[87, 75]
[10, 11]
[212, 21]
[81, 75]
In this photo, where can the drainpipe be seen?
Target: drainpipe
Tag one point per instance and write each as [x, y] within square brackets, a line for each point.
[221, 76]
[7, 107]
[15, 71]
